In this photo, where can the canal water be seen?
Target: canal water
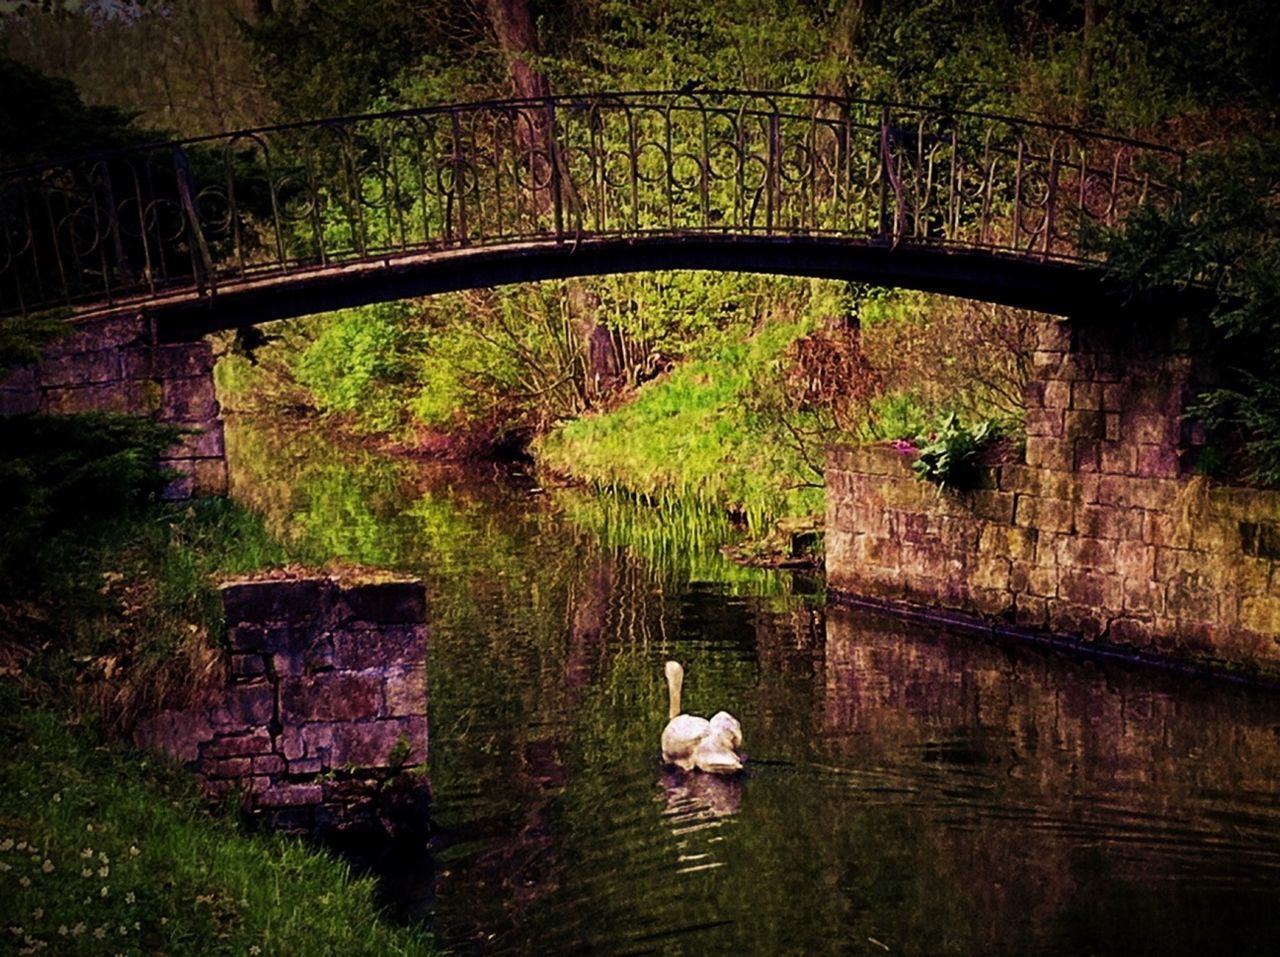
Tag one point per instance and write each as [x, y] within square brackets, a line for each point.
[907, 792]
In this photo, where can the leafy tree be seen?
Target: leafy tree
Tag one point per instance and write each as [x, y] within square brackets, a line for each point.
[179, 65]
[44, 116]
[61, 471]
[337, 56]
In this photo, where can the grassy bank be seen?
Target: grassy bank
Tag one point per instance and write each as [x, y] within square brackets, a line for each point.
[104, 851]
[109, 611]
[707, 432]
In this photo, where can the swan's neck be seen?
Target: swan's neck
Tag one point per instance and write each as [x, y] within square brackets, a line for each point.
[675, 679]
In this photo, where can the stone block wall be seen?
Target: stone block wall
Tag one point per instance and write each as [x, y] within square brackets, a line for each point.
[1098, 534]
[113, 365]
[325, 696]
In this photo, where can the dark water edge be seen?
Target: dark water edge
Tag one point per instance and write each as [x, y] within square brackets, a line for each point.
[949, 622]
[908, 791]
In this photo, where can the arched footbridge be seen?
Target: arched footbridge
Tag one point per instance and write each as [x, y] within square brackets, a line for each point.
[260, 224]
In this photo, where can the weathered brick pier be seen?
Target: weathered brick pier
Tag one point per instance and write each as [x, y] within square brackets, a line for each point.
[325, 698]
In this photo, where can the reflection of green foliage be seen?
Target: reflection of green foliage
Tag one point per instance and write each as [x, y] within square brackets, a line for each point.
[678, 540]
[504, 571]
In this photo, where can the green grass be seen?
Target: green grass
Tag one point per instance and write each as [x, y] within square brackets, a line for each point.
[105, 851]
[109, 612]
[698, 434]
[122, 613]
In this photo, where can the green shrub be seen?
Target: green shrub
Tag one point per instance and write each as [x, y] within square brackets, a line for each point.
[59, 472]
[358, 362]
[948, 455]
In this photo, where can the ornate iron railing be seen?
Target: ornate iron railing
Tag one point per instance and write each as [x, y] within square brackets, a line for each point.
[203, 214]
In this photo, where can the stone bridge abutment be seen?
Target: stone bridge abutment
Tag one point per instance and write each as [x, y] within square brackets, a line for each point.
[116, 365]
[1101, 534]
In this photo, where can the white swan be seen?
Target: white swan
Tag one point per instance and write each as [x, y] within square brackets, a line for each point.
[691, 742]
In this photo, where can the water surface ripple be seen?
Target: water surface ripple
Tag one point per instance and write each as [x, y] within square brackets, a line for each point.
[907, 792]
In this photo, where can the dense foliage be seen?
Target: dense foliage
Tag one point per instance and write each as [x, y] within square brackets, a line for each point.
[42, 116]
[60, 472]
[471, 373]
[1226, 236]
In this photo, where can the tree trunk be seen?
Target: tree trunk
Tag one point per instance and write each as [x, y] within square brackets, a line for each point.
[843, 30]
[1085, 77]
[513, 25]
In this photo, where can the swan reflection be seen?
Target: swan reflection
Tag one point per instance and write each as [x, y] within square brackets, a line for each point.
[693, 797]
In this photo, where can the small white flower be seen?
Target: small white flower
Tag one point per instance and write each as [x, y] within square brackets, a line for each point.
[57, 798]
[6, 844]
[78, 929]
[38, 913]
[129, 898]
[86, 872]
[102, 856]
[133, 850]
[87, 853]
[22, 845]
[62, 930]
[47, 866]
[104, 892]
[99, 932]
[24, 881]
[5, 867]
[104, 871]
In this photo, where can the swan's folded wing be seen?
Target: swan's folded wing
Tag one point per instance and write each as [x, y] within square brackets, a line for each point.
[681, 736]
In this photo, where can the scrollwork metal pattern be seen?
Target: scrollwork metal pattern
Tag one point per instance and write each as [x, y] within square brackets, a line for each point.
[204, 214]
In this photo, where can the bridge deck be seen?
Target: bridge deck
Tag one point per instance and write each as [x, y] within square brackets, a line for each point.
[370, 207]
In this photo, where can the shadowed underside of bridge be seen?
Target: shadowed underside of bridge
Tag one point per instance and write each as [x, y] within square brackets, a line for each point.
[1067, 289]
[263, 224]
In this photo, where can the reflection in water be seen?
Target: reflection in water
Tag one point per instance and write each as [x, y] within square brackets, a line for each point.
[695, 807]
[909, 790]
[690, 794]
